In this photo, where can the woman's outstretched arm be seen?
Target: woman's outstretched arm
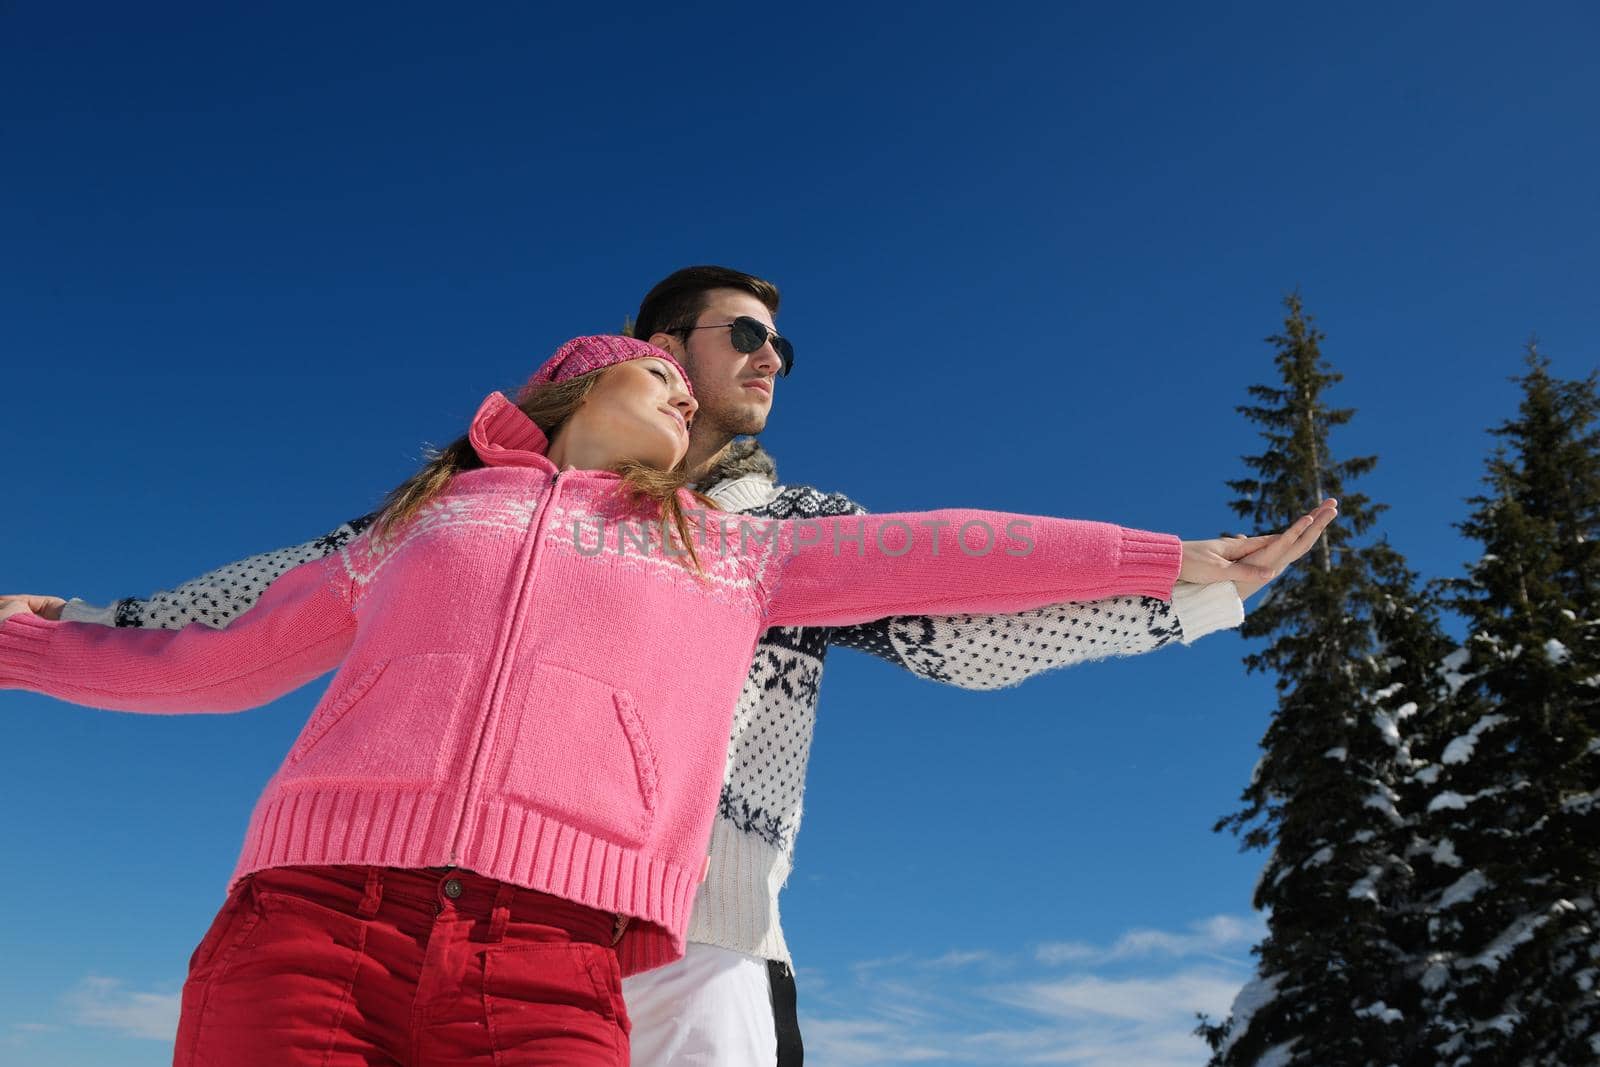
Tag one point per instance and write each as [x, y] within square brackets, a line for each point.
[855, 568]
[300, 628]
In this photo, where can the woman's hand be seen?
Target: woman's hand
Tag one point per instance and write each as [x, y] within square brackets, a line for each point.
[1252, 562]
[46, 607]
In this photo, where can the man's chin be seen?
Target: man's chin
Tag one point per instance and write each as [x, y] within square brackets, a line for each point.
[742, 420]
[745, 420]
[753, 423]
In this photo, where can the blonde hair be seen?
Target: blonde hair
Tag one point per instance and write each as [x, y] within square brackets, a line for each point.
[549, 406]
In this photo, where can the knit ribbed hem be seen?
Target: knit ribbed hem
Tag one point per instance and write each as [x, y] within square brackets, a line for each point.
[1205, 609]
[1154, 557]
[396, 828]
[525, 847]
[737, 907]
[23, 642]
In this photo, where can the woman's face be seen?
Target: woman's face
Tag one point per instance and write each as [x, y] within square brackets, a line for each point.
[639, 410]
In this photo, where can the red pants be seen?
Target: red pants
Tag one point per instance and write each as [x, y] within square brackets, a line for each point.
[347, 966]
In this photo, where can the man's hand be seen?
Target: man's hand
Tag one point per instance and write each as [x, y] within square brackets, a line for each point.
[1252, 562]
[46, 607]
[1288, 546]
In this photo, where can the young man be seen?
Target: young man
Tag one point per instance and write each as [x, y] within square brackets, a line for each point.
[731, 1000]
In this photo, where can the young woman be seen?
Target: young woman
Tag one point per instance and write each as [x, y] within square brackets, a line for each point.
[502, 802]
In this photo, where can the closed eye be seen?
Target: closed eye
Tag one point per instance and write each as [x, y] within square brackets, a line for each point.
[659, 373]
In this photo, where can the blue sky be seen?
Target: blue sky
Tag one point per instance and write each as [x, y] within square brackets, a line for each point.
[252, 260]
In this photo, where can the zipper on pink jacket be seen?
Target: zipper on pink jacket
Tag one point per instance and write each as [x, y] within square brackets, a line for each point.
[501, 673]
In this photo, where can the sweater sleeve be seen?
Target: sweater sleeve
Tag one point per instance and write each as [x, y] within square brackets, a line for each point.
[300, 628]
[216, 597]
[996, 651]
[850, 569]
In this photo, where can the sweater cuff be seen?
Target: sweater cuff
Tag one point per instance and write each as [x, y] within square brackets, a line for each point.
[1205, 609]
[79, 610]
[1152, 559]
[23, 641]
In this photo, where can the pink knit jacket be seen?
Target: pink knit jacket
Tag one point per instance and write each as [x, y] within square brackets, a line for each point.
[517, 697]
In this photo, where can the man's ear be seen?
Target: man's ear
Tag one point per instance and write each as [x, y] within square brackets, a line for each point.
[669, 343]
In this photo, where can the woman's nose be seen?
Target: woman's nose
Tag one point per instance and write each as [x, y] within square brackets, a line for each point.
[688, 405]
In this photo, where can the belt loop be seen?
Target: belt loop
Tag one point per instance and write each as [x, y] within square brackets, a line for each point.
[501, 916]
[373, 895]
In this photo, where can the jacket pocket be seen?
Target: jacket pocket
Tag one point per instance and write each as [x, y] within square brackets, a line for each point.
[399, 721]
[332, 708]
[580, 749]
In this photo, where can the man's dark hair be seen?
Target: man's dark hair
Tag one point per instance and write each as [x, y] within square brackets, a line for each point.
[678, 299]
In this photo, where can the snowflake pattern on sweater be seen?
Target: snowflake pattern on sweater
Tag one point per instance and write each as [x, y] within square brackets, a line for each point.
[761, 803]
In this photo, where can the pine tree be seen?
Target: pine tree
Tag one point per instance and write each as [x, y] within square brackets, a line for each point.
[1512, 774]
[1352, 641]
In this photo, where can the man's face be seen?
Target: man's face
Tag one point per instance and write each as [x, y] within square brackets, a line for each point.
[735, 389]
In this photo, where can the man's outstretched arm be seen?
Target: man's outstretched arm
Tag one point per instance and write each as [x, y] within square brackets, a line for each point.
[995, 651]
[217, 597]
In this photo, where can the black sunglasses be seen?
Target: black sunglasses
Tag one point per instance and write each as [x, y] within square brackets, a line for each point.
[750, 334]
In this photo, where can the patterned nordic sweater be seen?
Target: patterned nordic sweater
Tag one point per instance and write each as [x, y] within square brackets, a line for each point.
[753, 838]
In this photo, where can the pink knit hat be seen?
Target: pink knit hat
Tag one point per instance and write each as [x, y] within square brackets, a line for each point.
[584, 354]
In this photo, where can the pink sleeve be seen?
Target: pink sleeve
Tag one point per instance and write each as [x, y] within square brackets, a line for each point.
[855, 568]
[300, 628]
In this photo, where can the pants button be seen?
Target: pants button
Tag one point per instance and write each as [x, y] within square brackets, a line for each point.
[452, 888]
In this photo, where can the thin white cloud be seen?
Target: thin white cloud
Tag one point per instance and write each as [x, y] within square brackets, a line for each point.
[1088, 1047]
[1130, 1003]
[19, 1034]
[841, 1043]
[957, 958]
[1132, 999]
[1208, 937]
[906, 962]
[105, 1004]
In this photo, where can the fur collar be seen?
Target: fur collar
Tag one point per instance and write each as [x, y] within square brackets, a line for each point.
[744, 458]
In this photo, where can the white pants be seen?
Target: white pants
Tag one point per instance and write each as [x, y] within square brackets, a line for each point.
[713, 1008]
